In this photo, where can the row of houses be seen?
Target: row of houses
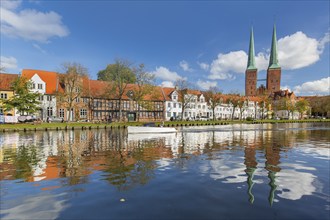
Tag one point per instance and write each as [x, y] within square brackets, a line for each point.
[95, 103]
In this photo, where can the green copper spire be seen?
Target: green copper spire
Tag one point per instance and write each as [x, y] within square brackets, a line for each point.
[273, 61]
[251, 65]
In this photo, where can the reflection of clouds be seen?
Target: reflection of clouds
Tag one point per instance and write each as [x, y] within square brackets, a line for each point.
[227, 167]
[42, 206]
[294, 184]
[316, 152]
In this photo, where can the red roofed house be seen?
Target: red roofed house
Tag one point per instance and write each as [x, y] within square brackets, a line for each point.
[5, 91]
[45, 83]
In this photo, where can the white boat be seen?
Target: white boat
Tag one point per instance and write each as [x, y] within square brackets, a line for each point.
[145, 129]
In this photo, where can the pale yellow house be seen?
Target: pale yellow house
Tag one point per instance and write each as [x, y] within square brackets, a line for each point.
[5, 91]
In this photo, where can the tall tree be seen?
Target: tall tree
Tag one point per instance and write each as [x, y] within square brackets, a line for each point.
[144, 86]
[233, 100]
[263, 104]
[302, 106]
[119, 75]
[213, 98]
[242, 105]
[71, 80]
[25, 101]
[183, 92]
[110, 73]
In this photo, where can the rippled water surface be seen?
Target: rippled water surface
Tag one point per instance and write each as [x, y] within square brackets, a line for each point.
[278, 171]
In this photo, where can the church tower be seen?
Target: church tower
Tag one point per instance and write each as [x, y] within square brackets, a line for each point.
[274, 69]
[251, 71]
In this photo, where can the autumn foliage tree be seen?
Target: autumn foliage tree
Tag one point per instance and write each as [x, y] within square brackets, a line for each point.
[143, 86]
[213, 98]
[71, 80]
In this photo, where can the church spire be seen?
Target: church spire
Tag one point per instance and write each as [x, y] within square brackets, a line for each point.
[273, 61]
[251, 62]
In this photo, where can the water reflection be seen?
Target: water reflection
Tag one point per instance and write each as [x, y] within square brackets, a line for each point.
[254, 155]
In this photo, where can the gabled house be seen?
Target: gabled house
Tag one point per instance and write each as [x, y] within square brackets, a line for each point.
[45, 83]
[173, 107]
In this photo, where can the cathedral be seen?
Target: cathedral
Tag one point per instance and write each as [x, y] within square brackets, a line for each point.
[273, 80]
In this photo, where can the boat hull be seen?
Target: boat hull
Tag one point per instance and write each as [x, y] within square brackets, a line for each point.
[141, 129]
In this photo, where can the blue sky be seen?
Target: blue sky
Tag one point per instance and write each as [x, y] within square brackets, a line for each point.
[205, 42]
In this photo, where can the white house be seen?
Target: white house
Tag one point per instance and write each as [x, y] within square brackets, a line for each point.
[45, 83]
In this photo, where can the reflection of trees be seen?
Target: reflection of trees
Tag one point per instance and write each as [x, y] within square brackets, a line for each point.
[26, 157]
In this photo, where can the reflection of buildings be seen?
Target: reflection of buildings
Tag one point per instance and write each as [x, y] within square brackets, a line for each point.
[233, 155]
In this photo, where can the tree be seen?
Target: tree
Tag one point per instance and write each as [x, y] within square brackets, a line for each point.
[25, 101]
[144, 86]
[233, 100]
[184, 96]
[263, 104]
[213, 98]
[242, 105]
[110, 73]
[71, 80]
[119, 75]
[302, 106]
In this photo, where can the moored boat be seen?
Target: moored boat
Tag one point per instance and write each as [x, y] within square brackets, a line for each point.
[150, 129]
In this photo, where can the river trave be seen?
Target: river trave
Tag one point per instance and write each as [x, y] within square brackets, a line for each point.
[257, 171]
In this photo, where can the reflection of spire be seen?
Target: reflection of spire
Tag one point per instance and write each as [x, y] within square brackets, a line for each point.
[250, 173]
[251, 165]
[273, 186]
[272, 162]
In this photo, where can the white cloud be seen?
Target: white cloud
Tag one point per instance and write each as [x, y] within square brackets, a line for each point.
[8, 62]
[185, 66]
[297, 50]
[325, 40]
[294, 51]
[39, 48]
[286, 87]
[165, 74]
[205, 85]
[10, 4]
[30, 24]
[226, 64]
[167, 84]
[318, 87]
[204, 66]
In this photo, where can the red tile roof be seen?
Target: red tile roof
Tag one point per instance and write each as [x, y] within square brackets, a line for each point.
[6, 81]
[50, 78]
[167, 93]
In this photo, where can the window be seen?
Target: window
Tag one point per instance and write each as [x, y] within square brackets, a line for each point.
[179, 105]
[77, 89]
[174, 97]
[1, 111]
[39, 86]
[174, 105]
[61, 113]
[33, 85]
[77, 99]
[83, 113]
[110, 104]
[49, 98]
[168, 114]
[49, 111]
[169, 105]
[41, 98]
[4, 95]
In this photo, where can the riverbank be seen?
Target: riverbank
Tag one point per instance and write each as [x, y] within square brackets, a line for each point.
[87, 125]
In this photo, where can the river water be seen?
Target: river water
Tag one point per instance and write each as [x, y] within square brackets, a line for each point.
[269, 171]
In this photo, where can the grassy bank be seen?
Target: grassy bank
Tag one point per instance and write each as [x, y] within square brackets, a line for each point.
[86, 125]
